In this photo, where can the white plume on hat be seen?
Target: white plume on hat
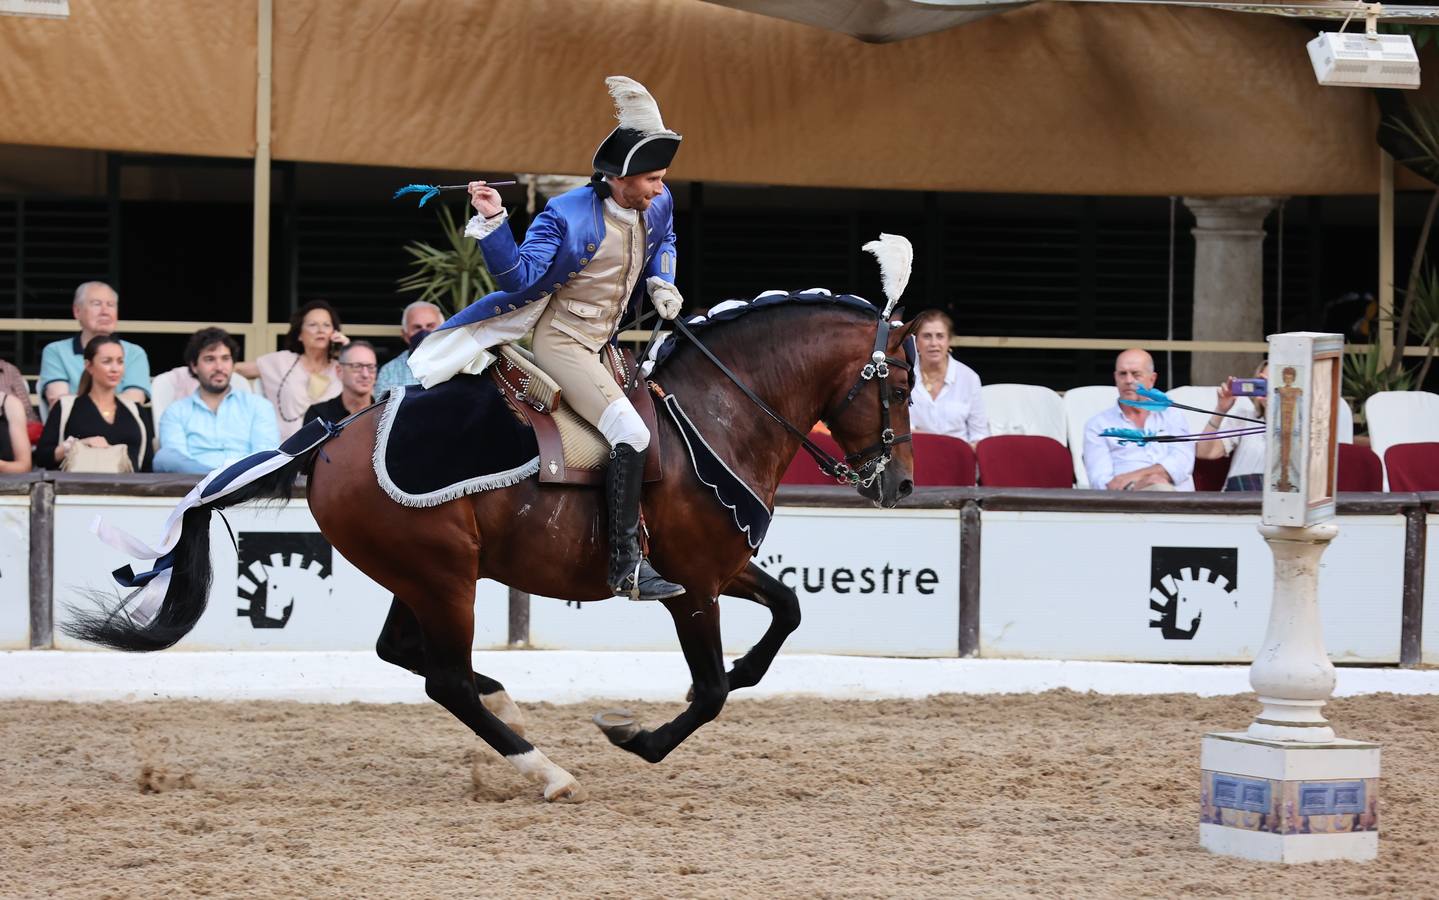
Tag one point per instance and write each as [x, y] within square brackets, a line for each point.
[634, 106]
[896, 259]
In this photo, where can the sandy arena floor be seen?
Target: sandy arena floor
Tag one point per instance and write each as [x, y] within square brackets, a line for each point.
[1057, 794]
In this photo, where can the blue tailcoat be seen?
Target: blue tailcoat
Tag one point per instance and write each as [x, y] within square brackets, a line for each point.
[559, 244]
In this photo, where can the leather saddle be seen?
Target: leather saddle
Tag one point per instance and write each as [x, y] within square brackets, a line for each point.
[572, 451]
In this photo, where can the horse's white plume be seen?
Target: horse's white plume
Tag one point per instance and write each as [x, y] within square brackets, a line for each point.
[896, 258]
[634, 106]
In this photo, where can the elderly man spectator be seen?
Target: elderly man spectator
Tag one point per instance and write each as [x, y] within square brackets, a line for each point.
[418, 319]
[1115, 466]
[97, 309]
[357, 384]
[215, 425]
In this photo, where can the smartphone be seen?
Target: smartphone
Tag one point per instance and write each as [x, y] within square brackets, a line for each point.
[335, 348]
[1249, 387]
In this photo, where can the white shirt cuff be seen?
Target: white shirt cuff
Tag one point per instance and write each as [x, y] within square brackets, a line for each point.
[480, 228]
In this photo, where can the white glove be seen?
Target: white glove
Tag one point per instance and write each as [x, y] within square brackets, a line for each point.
[665, 296]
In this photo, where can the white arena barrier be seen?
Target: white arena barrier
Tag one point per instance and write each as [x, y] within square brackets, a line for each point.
[1060, 585]
[1044, 574]
[870, 583]
[284, 589]
[14, 571]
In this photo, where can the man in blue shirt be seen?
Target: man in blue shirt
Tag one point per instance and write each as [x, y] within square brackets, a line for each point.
[420, 316]
[1113, 466]
[97, 309]
[215, 425]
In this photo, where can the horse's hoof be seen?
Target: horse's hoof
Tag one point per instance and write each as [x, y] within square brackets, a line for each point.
[569, 792]
[619, 725]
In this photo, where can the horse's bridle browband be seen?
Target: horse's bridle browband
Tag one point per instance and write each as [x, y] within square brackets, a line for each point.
[851, 471]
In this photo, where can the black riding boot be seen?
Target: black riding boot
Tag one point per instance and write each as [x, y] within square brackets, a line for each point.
[623, 483]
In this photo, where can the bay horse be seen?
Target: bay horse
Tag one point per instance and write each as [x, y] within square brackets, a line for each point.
[804, 360]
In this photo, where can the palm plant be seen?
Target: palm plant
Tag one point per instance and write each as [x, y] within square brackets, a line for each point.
[1424, 320]
[1366, 373]
[450, 275]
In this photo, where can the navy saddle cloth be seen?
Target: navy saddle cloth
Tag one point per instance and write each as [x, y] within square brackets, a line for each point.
[456, 438]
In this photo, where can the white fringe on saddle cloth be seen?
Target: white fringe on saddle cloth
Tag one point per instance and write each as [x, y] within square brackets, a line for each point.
[446, 494]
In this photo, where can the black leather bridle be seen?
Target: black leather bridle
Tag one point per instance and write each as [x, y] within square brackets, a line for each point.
[855, 469]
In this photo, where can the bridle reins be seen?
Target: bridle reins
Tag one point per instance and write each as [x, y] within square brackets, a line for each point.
[851, 470]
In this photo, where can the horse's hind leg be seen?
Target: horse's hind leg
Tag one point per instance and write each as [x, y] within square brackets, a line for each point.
[448, 628]
[697, 624]
[402, 644]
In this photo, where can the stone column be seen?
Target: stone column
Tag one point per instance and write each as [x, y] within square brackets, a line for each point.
[1228, 281]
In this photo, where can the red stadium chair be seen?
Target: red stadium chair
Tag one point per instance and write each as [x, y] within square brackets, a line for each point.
[802, 469]
[1024, 460]
[1210, 474]
[1413, 467]
[1359, 469]
[942, 461]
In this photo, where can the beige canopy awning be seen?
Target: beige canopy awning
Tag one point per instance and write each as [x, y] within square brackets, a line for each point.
[1048, 98]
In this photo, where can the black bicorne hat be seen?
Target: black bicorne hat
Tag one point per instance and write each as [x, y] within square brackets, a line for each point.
[641, 142]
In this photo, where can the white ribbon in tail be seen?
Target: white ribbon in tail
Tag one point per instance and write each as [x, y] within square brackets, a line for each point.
[143, 604]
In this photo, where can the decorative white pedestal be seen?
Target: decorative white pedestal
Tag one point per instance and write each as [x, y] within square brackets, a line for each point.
[1283, 801]
[1287, 790]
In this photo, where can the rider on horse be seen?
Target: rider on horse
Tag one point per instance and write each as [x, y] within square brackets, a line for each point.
[572, 280]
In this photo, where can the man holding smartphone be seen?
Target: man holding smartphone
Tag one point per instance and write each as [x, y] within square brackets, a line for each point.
[1115, 466]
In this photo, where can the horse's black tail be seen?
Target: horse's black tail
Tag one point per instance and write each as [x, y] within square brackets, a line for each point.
[189, 591]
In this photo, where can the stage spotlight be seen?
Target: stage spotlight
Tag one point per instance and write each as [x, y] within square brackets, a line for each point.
[1371, 59]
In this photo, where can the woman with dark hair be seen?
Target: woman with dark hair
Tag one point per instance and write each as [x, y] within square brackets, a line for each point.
[304, 373]
[97, 417]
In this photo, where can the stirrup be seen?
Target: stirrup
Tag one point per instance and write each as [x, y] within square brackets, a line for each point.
[647, 584]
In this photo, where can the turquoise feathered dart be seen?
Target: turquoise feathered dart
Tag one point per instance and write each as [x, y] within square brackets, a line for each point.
[1155, 401]
[1135, 436]
[432, 190]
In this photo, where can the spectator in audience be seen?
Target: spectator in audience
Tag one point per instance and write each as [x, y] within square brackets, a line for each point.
[215, 425]
[357, 384]
[1246, 452]
[97, 416]
[12, 384]
[1145, 467]
[418, 319]
[304, 373]
[97, 309]
[947, 399]
[14, 436]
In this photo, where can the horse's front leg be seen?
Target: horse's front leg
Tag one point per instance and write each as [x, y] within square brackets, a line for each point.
[758, 585]
[697, 624]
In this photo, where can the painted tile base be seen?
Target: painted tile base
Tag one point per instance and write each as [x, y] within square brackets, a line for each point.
[1282, 801]
[1289, 848]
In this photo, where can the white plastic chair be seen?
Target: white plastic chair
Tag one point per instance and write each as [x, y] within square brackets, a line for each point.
[1200, 397]
[1401, 417]
[165, 389]
[1346, 423]
[1080, 405]
[1024, 409]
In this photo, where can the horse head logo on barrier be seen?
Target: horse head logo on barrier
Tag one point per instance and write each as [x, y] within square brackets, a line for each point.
[1187, 582]
[278, 568]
